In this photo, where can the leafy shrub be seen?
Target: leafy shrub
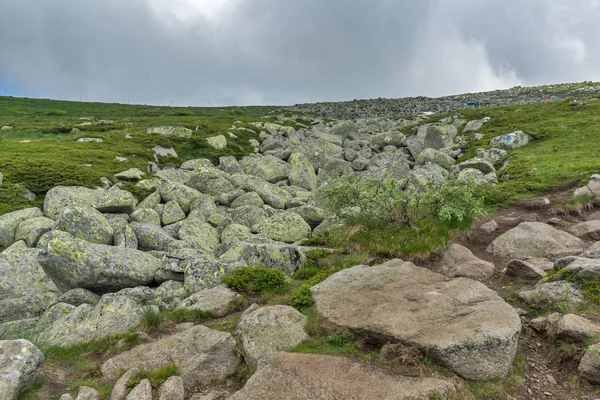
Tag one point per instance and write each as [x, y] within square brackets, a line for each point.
[306, 273]
[375, 202]
[302, 297]
[254, 280]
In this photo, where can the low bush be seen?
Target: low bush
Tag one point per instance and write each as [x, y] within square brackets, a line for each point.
[254, 280]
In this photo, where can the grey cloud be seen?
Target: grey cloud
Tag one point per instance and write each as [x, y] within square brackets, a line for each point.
[289, 51]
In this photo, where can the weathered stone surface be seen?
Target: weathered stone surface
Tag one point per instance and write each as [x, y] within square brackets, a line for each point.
[203, 272]
[583, 268]
[302, 172]
[182, 194]
[309, 376]
[575, 329]
[143, 391]
[490, 227]
[311, 214]
[73, 263]
[398, 301]
[287, 227]
[195, 234]
[25, 289]
[249, 216]
[592, 252]
[268, 330]
[86, 223]
[248, 199]
[478, 163]
[511, 140]
[201, 354]
[11, 221]
[535, 239]
[21, 365]
[106, 201]
[31, 230]
[458, 261]
[120, 389]
[217, 142]
[553, 293]
[125, 237]
[172, 213]
[132, 174]
[215, 300]
[524, 271]
[318, 151]
[146, 216]
[272, 195]
[114, 314]
[87, 393]
[79, 296]
[286, 258]
[268, 168]
[153, 237]
[171, 389]
[173, 131]
[53, 314]
[589, 367]
[589, 230]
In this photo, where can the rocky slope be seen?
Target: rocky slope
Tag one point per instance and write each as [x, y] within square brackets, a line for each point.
[88, 265]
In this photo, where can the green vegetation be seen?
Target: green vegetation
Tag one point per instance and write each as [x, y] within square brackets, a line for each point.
[589, 288]
[181, 315]
[254, 280]
[41, 152]
[152, 320]
[156, 378]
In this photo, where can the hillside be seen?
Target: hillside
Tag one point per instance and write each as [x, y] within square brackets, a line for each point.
[337, 250]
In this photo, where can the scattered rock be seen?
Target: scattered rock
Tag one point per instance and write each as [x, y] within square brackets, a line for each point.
[458, 261]
[287, 227]
[589, 230]
[523, 271]
[552, 294]
[173, 131]
[490, 227]
[21, 365]
[87, 393]
[575, 329]
[217, 142]
[143, 391]
[215, 300]
[171, 389]
[511, 140]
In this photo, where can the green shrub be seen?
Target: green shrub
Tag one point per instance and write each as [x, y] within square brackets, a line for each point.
[55, 113]
[382, 202]
[306, 273]
[254, 280]
[302, 297]
[313, 256]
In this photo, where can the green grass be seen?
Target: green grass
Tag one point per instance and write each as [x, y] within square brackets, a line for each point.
[156, 378]
[53, 157]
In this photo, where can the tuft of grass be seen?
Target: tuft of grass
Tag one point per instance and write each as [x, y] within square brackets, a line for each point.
[152, 320]
[576, 205]
[185, 315]
[156, 377]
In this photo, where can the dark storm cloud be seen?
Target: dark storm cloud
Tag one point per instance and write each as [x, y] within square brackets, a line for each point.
[288, 51]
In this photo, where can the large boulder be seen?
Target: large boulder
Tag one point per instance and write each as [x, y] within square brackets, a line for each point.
[584, 268]
[215, 300]
[86, 223]
[113, 315]
[524, 271]
[202, 355]
[302, 172]
[536, 239]
[182, 194]
[74, 263]
[318, 151]
[458, 261]
[196, 234]
[399, 302]
[272, 195]
[268, 168]
[266, 331]
[25, 289]
[11, 221]
[286, 258]
[589, 230]
[203, 272]
[438, 136]
[553, 294]
[173, 131]
[309, 376]
[107, 201]
[511, 140]
[21, 366]
[153, 237]
[575, 329]
[31, 230]
[287, 227]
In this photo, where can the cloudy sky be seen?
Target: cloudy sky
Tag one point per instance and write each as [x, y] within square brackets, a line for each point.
[200, 52]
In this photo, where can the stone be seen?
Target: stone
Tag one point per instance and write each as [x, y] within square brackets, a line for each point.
[31, 230]
[132, 174]
[511, 140]
[313, 216]
[473, 126]
[114, 314]
[268, 330]
[215, 300]
[87, 393]
[11, 221]
[552, 294]
[592, 252]
[399, 302]
[202, 355]
[172, 213]
[143, 391]
[490, 227]
[203, 272]
[182, 194]
[302, 172]
[21, 366]
[294, 376]
[575, 329]
[478, 163]
[125, 237]
[79, 296]
[268, 168]
[146, 216]
[440, 158]
[172, 389]
[86, 223]
[6, 128]
[438, 136]
[120, 389]
[25, 289]
[153, 237]
[459, 261]
[173, 131]
[272, 195]
[535, 239]
[589, 230]
[583, 268]
[53, 314]
[287, 227]
[248, 199]
[161, 152]
[74, 263]
[88, 140]
[217, 142]
[249, 216]
[589, 366]
[106, 201]
[524, 272]
[195, 234]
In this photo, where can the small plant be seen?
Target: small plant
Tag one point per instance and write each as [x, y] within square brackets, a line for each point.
[152, 320]
[185, 315]
[338, 339]
[302, 297]
[156, 378]
[254, 280]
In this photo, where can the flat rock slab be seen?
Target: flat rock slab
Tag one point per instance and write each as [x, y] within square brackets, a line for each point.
[201, 354]
[535, 239]
[459, 322]
[315, 376]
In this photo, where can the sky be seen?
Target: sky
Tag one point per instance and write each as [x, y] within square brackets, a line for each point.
[277, 52]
